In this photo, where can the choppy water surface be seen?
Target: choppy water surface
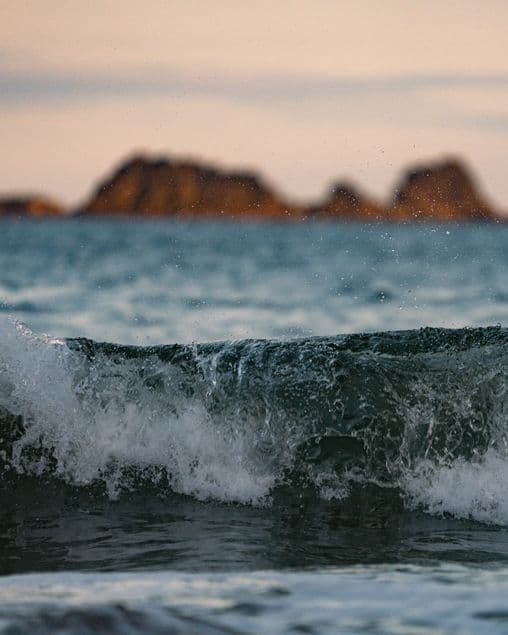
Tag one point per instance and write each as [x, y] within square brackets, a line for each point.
[148, 282]
[293, 428]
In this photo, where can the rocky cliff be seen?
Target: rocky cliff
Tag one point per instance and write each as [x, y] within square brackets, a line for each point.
[440, 191]
[34, 206]
[443, 191]
[345, 202]
[163, 187]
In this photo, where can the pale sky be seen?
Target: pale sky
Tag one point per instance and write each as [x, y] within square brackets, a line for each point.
[304, 92]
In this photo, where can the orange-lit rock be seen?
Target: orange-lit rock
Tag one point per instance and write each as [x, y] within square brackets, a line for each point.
[346, 203]
[168, 188]
[440, 191]
[164, 187]
[34, 206]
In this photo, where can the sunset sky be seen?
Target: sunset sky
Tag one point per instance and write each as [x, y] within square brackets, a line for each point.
[304, 92]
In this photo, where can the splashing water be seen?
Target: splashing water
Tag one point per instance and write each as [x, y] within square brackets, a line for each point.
[421, 412]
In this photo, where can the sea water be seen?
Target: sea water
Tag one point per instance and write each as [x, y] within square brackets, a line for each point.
[253, 428]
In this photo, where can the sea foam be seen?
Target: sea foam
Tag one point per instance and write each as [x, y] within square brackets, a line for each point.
[97, 420]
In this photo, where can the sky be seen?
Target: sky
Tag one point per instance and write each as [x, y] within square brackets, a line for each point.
[306, 93]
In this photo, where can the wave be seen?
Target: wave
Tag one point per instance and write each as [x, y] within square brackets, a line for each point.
[419, 413]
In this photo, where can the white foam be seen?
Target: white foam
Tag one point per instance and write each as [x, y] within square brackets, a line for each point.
[477, 490]
[95, 424]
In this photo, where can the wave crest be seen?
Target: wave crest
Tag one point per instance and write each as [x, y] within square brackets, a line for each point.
[421, 412]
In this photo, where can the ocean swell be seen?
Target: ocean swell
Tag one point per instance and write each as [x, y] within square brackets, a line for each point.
[421, 413]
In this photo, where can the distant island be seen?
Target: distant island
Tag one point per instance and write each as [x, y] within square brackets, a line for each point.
[30, 206]
[169, 188]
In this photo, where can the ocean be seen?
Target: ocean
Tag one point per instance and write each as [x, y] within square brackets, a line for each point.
[216, 427]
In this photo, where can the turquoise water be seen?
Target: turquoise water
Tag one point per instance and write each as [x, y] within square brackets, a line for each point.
[212, 428]
[149, 282]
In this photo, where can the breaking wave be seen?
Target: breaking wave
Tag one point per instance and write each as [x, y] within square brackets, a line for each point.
[417, 416]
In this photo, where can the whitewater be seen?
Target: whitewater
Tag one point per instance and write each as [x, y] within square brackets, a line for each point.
[291, 428]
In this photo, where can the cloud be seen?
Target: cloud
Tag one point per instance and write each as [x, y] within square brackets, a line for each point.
[29, 88]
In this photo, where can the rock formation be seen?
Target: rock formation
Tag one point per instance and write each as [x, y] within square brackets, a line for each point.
[33, 206]
[346, 203]
[443, 191]
[163, 187]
